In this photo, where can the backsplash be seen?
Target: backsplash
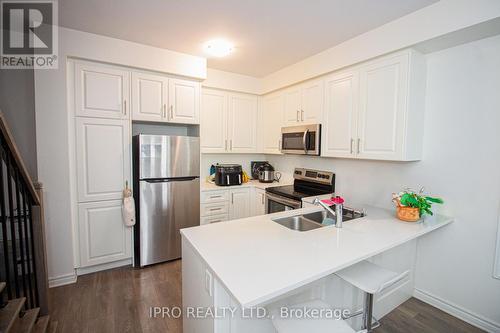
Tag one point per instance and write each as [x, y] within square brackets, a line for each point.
[244, 159]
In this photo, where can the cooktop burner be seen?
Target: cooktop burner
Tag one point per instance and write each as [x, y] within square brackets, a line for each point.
[291, 192]
[307, 183]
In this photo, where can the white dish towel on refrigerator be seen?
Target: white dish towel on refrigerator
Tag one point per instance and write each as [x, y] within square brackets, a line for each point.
[128, 208]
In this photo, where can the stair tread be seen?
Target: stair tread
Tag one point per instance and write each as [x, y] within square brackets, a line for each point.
[42, 324]
[2, 286]
[25, 323]
[10, 313]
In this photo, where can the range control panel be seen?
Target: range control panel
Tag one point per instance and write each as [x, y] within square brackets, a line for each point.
[317, 176]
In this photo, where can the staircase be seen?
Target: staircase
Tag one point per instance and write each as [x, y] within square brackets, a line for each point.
[13, 319]
[23, 267]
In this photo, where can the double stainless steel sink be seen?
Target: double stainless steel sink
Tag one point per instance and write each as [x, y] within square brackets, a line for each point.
[315, 220]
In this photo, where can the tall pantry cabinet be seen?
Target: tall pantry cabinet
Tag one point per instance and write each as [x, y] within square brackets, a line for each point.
[102, 149]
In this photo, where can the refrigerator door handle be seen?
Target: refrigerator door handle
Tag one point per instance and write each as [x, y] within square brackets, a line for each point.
[167, 180]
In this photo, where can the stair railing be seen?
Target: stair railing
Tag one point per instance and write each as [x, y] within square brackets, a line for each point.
[22, 241]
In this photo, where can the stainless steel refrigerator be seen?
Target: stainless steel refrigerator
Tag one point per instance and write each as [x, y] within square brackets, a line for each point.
[167, 191]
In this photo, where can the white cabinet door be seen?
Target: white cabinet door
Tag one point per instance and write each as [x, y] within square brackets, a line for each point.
[242, 123]
[213, 127]
[383, 92]
[312, 102]
[340, 117]
[149, 97]
[259, 202]
[239, 206]
[293, 105]
[103, 158]
[103, 236]
[184, 98]
[101, 91]
[271, 121]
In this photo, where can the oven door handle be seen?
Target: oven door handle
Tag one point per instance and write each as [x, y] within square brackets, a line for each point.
[284, 201]
[304, 140]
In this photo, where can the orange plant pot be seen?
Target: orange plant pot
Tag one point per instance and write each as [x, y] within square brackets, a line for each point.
[407, 214]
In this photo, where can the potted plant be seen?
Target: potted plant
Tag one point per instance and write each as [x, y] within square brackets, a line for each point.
[411, 206]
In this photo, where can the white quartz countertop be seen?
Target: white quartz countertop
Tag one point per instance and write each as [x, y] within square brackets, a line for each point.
[258, 260]
[205, 186]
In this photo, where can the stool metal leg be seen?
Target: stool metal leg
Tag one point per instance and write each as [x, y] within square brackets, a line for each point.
[368, 312]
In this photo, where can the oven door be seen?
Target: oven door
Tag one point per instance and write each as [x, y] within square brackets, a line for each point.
[276, 203]
[301, 140]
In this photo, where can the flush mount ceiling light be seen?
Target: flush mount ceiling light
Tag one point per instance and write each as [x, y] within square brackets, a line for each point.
[218, 47]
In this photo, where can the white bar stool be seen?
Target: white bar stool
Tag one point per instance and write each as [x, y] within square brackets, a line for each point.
[372, 279]
[302, 325]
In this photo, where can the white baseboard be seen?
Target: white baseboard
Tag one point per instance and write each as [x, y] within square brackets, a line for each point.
[457, 311]
[103, 267]
[62, 280]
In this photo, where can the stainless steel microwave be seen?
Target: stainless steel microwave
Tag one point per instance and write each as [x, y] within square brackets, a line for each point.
[301, 140]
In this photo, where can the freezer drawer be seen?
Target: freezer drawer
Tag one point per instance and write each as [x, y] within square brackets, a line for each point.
[166, 206]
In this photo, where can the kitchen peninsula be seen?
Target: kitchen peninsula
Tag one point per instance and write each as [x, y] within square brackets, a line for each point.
[260, 263]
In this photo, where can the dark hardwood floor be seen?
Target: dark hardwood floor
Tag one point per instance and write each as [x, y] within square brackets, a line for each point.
[119, 301]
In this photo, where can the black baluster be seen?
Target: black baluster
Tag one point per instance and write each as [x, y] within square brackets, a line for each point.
[30, 207]
[5, 237]
[20, 212]
[12, 226]
[29, 253]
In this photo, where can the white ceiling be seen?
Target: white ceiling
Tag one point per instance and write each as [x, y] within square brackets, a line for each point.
[268, 34]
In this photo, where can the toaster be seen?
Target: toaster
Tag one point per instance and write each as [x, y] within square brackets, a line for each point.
[228, 174]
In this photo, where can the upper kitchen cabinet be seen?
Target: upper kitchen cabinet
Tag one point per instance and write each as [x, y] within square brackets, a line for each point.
[304, 103]
[229, 122]
[242, 123]
[149, 97]
[213, 124]
[101, 91]
[270, 123]
[341, 112]
[376, 110]
[391, 112]
[184, 98]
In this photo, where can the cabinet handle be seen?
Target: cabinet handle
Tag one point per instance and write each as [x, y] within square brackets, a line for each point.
[352, 142]
[262, 198]
[125, 107]
[298, 115]
[164, 110]
[171, 112]
[359, 144]
[232, 198]
[215, 196]
[302, 115]
[231, 144]
[214, 209]
[225, 145]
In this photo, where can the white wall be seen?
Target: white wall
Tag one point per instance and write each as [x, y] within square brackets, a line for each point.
[54, 130]
[232, 81]
[461, 163]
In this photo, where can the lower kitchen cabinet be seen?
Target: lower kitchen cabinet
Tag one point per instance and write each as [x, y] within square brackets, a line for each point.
[225, 204]
[239, 206]
[103, 236]
[259, 202]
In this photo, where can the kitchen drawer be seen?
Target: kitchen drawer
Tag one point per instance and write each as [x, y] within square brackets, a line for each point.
[214, 219]
[214, 196]
[216, 208]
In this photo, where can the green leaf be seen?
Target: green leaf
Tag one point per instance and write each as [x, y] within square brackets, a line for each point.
[435, 200]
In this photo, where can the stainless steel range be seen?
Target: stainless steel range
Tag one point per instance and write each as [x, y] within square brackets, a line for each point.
[307, 183]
